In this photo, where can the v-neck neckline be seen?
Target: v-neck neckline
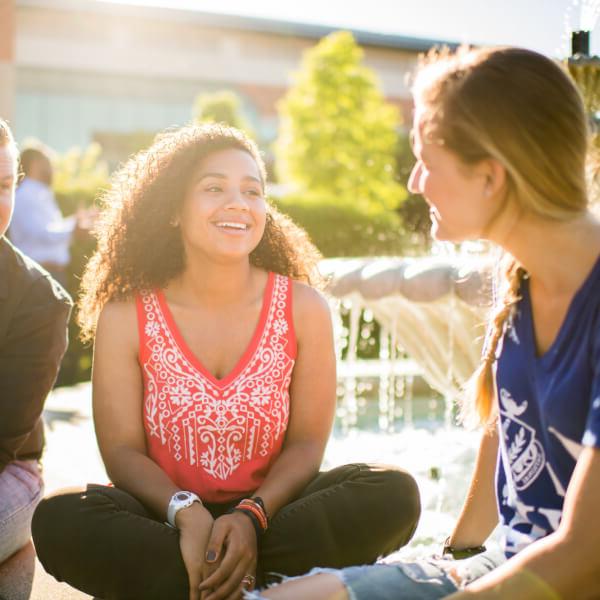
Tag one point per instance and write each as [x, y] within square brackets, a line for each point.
[546, 358]
[246, 356]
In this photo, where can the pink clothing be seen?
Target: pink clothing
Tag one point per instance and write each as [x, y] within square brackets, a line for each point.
[21, 488]
[217, 437]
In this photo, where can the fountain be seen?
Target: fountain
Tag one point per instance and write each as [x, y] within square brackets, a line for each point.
[585, 70]
[431, 312]
[583, 67]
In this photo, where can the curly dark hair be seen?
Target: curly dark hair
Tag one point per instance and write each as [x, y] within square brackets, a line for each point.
[137, 246]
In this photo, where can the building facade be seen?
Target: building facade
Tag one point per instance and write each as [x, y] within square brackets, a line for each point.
[72, 71]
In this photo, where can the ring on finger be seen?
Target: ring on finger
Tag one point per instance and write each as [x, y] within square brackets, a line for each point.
[248, 581]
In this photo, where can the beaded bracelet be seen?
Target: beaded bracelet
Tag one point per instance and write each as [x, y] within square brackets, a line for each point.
[261, 503]
[257, 528]
[254, 509]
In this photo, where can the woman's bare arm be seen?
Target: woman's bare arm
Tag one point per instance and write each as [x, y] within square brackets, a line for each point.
[117, 404]
[118, 414]
[565, 564]
[479, 514]
[312, 401]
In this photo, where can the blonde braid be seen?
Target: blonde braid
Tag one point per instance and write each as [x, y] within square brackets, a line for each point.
[484, 385]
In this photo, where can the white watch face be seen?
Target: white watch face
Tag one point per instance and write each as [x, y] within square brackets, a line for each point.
[179, 500]
[182, 496]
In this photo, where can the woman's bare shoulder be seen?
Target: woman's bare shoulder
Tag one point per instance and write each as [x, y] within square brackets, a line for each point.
[310, 307]
[118, 319]
[308, 298]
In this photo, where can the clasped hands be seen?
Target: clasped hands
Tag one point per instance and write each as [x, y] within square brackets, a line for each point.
[219, 554]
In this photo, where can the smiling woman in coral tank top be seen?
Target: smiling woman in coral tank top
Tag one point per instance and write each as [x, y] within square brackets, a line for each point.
[214, 394]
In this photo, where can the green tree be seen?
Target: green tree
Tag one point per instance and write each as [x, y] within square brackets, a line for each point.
[220, 107]
[338, 137]
[79, 176]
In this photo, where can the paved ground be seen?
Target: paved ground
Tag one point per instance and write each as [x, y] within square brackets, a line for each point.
[71, 458]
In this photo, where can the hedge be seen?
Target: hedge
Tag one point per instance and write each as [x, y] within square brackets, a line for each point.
[344, 230]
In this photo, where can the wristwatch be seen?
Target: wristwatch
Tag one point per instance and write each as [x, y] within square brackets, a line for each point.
[180, 500]
[460, 553]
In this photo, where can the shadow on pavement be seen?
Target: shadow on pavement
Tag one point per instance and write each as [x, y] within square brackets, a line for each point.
[51, 416]
[16, 574]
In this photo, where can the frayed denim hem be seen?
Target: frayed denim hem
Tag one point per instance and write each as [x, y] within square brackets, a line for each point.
[257, 595]
[425, 579]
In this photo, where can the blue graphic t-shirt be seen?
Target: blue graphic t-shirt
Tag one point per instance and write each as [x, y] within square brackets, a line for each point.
[549, 410]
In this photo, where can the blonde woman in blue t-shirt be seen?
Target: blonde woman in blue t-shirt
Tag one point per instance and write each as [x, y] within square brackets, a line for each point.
[500, 138]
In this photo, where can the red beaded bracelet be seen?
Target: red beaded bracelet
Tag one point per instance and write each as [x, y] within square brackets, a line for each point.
[254, 509]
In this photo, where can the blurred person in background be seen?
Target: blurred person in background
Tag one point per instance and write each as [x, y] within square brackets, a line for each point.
[38, 227]
[34, 311]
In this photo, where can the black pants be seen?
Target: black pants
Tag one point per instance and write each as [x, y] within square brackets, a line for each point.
[107, 544]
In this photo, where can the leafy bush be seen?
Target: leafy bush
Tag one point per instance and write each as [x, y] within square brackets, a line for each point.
[342, 229]
[79, 177]
[223, 106]
[413, 211]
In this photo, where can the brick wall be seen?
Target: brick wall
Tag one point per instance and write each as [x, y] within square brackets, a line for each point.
[7, 30]
[7, 56]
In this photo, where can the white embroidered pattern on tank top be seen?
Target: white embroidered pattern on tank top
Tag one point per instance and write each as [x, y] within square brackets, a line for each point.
[205, 424]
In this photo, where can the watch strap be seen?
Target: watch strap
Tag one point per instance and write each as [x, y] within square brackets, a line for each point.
[460, 553]
[180, 500]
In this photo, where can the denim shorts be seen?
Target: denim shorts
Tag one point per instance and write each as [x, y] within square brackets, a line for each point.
[426, 579]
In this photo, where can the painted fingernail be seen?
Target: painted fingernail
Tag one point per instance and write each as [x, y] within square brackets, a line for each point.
[211, 555]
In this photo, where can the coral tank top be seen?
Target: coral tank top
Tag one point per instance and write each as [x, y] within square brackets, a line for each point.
[217, 437]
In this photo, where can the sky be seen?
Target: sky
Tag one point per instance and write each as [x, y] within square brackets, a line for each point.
[541, 25]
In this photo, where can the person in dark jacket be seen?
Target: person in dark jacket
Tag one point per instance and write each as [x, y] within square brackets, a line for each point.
[34, 311]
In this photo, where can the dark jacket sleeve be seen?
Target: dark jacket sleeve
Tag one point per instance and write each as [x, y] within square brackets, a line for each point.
[33, 344]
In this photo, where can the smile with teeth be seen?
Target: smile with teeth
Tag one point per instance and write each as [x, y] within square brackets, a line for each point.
[232, 225]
